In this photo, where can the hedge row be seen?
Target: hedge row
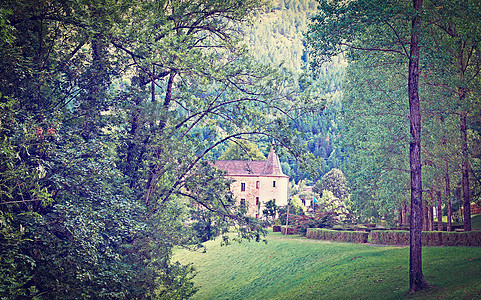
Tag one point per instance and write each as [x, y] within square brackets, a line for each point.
[290, 230]
[443, 238]
[398, 237]
[389, 237]
[336, 235]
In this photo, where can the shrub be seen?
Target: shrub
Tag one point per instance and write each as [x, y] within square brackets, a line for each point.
[336, 235]
[398, 237]
[324, 218]
[389, 237]
[471, 238]
[290, 230]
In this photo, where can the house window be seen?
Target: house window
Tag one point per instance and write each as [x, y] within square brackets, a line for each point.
[243, 187]
[274, 183]
[258, 184]
[257, 201]
[243, 202]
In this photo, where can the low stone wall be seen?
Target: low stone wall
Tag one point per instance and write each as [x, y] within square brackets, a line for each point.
[398, 237]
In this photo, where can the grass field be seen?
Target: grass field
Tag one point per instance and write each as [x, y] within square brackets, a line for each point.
[298, 268]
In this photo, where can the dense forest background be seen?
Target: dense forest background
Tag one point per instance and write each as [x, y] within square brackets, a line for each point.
[276, 36]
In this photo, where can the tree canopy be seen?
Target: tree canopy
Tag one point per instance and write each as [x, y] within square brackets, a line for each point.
[404, 70]
[109, 111]
[242, 150]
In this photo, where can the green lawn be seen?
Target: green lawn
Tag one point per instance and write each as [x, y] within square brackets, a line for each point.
[298, 268]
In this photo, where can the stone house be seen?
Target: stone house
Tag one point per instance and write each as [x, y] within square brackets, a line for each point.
[256, 182]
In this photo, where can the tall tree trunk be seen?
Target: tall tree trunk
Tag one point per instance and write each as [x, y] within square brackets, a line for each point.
[465, 173]
[416, 277]
[448, 197]
[425, 215]
[440, 212]
[400, 216]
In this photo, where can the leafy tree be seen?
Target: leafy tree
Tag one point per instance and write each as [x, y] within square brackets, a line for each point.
[271, 209]
[242, 150]
[375, 132]
[333, 181]
[330, 202]
[293, 208]
[455, 39]
[297, 205]
[331, 211]
[353, 21]
[102, 106]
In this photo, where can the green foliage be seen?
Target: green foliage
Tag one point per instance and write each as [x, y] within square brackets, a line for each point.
[271, 209]
[331, 203]
[276, 36]
[333, 181]
[337, 235]
[242, 150]
[102, 167]
[297, 204]
[429, 238]
[374, 132]
[290, 211]
[321, 219]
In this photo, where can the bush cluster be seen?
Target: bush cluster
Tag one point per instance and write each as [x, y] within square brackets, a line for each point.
[290, 230]
[398, 237]
[389, 237]
[336, 235]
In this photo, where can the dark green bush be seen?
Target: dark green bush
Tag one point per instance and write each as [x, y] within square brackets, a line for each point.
[336, 235]
[472, 238]
[389, 237]
[290, 230]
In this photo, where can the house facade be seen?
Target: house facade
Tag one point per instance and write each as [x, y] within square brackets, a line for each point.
[256, 182]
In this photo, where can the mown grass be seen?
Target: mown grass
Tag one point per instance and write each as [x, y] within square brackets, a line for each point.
[298, 268]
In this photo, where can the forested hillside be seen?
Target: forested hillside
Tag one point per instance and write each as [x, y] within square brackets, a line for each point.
[277, 37]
